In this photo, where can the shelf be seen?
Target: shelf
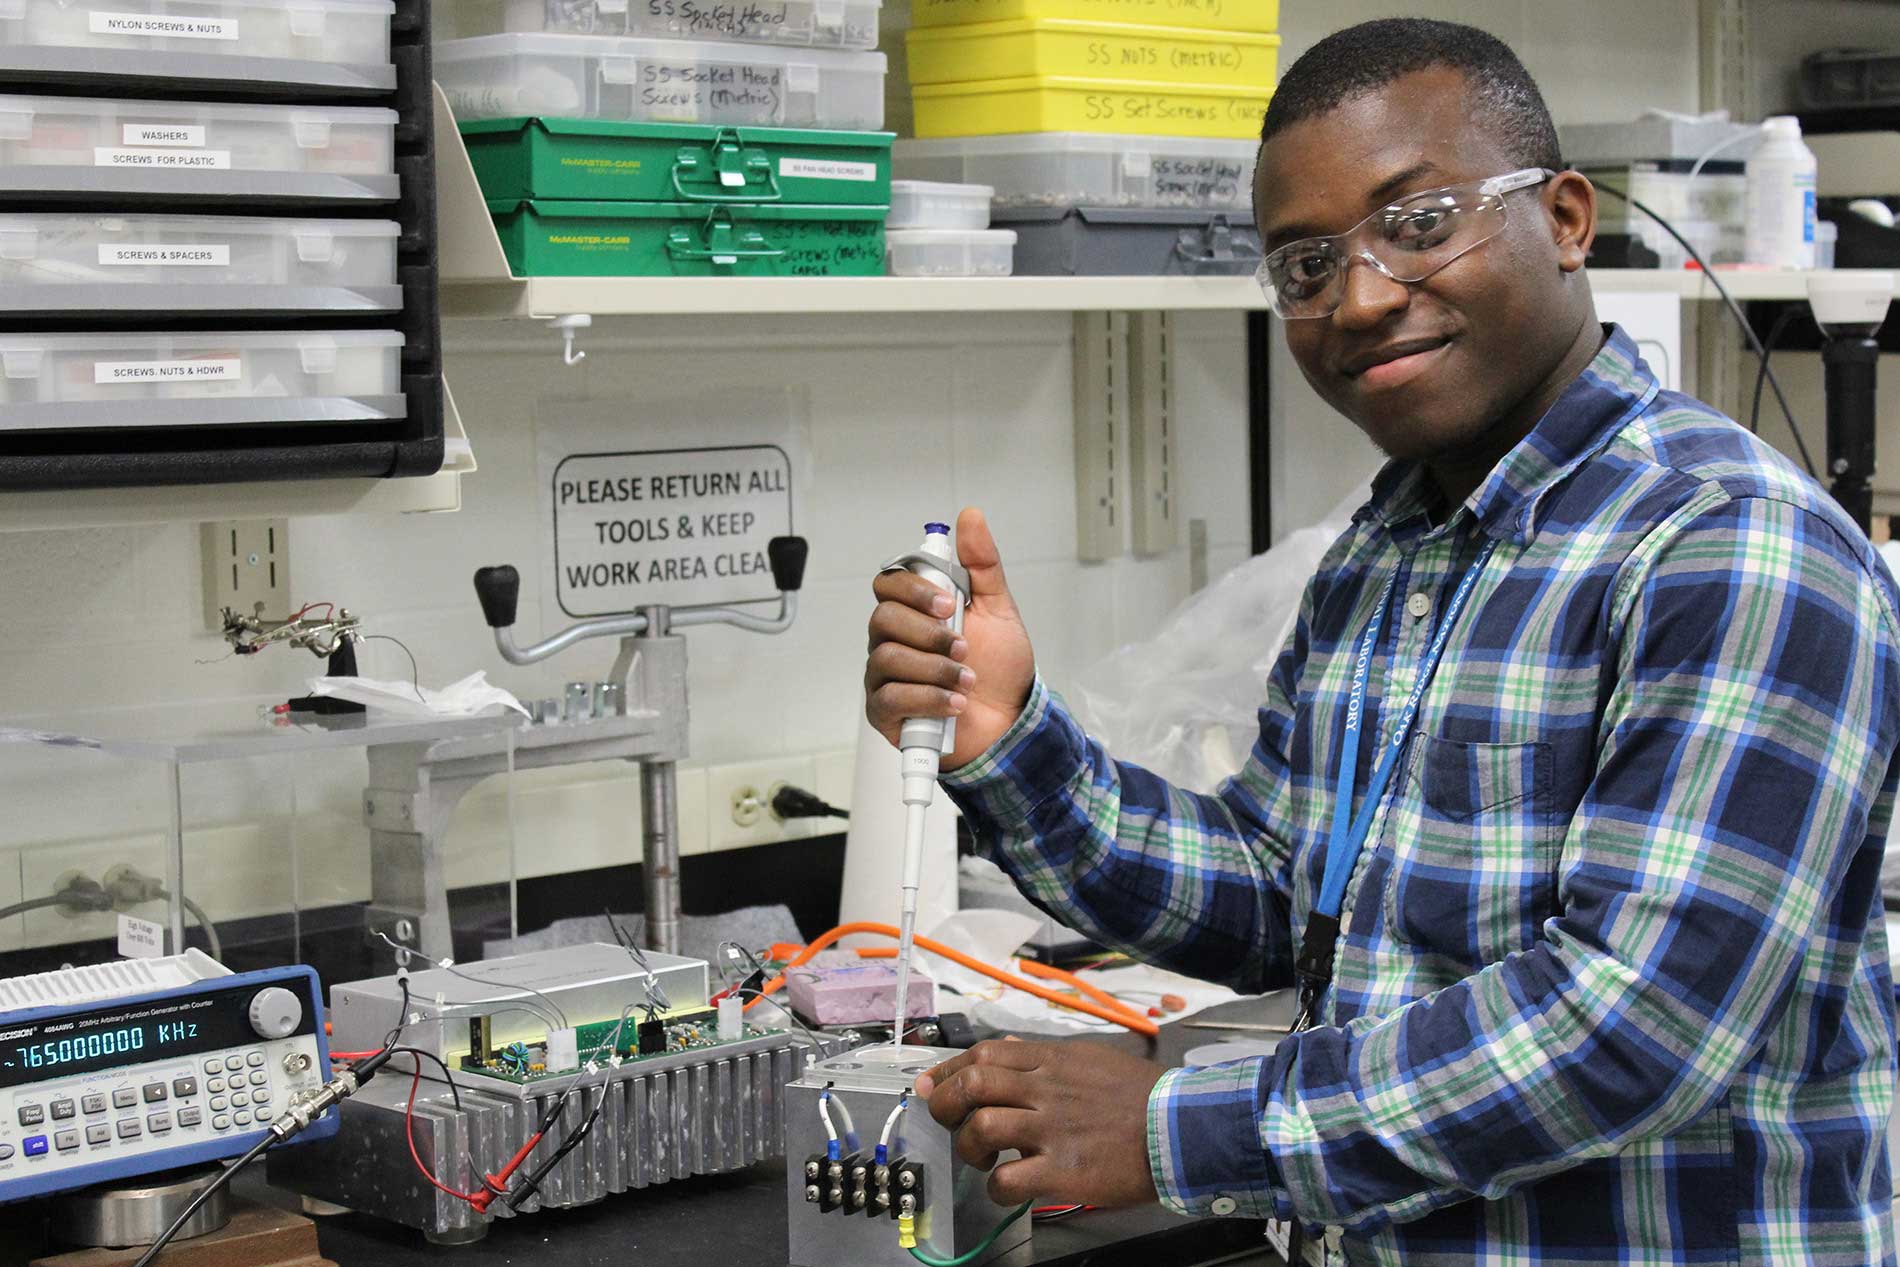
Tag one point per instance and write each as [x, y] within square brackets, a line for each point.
[476, 281]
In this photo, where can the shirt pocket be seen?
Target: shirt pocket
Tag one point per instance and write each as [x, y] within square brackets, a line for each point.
[1475, 848]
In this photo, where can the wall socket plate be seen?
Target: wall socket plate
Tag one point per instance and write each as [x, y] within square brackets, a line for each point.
[246, 563]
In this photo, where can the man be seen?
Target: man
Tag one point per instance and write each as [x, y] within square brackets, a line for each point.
[1610, 980]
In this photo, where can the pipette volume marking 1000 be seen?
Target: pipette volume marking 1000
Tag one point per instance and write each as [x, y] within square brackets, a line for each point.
[922, 741]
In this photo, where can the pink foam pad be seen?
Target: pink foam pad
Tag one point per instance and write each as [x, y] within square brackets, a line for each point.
[856, 992]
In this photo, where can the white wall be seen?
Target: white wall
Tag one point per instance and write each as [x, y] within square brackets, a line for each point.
[911, 419]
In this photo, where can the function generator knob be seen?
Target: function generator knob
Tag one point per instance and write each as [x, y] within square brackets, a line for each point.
[276, 1012]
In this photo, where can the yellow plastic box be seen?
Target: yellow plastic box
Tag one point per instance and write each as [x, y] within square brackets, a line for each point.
[1259, 17]
[1055, 104]
[1086, 50]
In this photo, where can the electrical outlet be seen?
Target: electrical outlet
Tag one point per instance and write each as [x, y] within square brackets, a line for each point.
[740, 794]
[247, 569]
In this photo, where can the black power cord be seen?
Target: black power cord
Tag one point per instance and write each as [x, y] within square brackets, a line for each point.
[796, 802]
[1785, 319]
[1735, 310]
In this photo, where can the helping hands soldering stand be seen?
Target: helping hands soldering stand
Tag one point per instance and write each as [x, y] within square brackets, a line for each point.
[414, 788]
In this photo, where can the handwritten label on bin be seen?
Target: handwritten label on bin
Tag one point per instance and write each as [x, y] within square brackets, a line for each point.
[671, 526]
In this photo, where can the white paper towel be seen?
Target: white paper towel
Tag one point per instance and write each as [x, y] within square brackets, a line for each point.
[874, 843]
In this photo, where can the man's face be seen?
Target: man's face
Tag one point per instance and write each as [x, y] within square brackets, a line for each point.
[1425, 369]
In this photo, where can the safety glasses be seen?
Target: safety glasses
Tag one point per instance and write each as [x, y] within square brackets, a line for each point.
[1408, 241]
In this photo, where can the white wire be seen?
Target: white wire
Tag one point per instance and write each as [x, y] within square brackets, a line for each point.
[1737, 139]
[890, 1123]
[824, 1112]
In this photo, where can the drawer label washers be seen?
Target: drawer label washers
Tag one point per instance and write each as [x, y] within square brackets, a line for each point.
[166, 27]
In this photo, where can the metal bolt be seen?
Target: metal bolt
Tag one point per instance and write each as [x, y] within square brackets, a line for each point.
[837, 1196]
[811, 1193]
[905, 1179]
[883, 1176]
[811, 1170]
[405, 930]
[1840, 466]
[907, 1206]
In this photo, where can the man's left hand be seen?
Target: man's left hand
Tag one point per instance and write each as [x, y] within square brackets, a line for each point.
[1077, 1112]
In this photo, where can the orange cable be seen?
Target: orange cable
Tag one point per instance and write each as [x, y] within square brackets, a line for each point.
[1114, 1012]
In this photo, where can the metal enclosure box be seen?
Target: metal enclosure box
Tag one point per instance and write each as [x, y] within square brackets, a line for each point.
[956, 1210]
[590, 983]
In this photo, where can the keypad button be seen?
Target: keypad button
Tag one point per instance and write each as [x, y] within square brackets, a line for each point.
[259, 1078]
[242, 1119]
[220, 1123]
[213, 1065]
[63, 1110]
[124, 1098]
[182, 1087]
[240, 1099]
[219, 1104]
[131, 1128]
[154, 1093]
[234, 1063]
[158, 1123]
[98, 1133]
[94, 1104]
[67, 1141]
[191, 1117]
[254, 1059]
[6, 1152]
[216, 1085]
[35, 1145]
[31, 1115]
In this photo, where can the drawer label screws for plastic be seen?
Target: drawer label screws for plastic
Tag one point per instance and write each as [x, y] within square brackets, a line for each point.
[820, 169]
[167, 27]
[219, 370]
[206, 256]
[679, 526]
[163, 160]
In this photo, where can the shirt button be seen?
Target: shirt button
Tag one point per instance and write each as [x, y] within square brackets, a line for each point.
[1224, 1207]
[1419, 605]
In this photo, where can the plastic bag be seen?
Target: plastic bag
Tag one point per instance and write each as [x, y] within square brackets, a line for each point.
[1185, 704]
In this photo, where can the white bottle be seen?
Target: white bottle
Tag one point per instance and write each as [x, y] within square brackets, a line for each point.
[1781, 198]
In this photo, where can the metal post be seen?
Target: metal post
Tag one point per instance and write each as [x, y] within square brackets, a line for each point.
[175, 864]
[660, 853]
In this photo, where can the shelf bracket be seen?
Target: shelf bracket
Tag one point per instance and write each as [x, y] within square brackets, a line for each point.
[568, 326]
[1153, 501]
[1101, 429]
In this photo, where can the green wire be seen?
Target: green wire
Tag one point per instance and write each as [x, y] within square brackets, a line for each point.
[982, 1246]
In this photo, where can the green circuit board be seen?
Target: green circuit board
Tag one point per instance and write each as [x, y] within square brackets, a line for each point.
[525, 1063]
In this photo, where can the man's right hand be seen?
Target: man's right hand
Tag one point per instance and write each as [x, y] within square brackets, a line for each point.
[918, 668]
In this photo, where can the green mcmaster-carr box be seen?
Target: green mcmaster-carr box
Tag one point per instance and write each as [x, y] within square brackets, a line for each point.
[681, 239]
[598, 161]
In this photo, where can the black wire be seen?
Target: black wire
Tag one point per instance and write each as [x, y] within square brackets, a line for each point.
[1782, 322]
[415, 674]
[532, 1184]
[455, 1094]
[1748, 331]
[230, 1172]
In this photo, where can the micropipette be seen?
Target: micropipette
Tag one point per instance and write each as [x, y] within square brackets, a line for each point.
[922, 742]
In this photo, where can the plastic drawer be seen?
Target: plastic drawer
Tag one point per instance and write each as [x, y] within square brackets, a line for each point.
[115, 382]
[923, 204]
[950, 252]
[1085, 169]
[1845, 78]
[1017, 50]
[1261, 17]
[661, 81]
[333, 44]
[1058, 104]
[54, 262]
[658, 239]
[70, 148]
[593, 160]
[1124, 242]
[802, 23]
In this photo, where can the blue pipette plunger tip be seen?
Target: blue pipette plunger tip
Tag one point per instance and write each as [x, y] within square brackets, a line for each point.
[942, 530]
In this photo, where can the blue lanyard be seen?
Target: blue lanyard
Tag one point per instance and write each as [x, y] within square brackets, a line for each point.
[1349, 832]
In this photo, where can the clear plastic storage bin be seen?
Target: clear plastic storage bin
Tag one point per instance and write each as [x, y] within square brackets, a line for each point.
[53, 261]
[65, 146]
[804, 23]
[950, 252]
[1083, 169]
[334, 43]
[91, 382]
[925, 204]
[660, 81]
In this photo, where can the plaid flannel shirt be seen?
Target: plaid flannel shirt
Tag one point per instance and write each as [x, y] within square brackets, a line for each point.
[1612, 982]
